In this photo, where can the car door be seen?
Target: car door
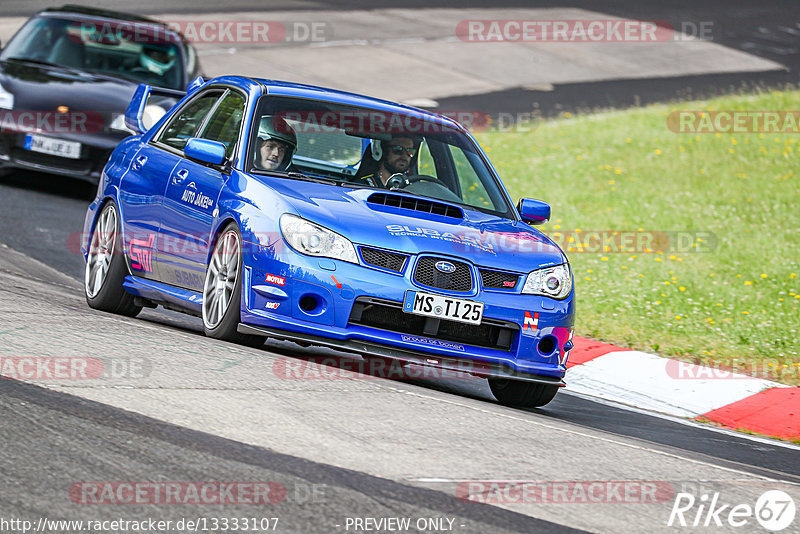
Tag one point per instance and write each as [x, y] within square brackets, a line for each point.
[140, 197]
[143, 186]
[191, 198]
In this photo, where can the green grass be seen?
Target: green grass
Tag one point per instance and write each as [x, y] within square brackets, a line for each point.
[734, 306]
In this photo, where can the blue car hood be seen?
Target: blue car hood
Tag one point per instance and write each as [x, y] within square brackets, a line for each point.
[484, 239]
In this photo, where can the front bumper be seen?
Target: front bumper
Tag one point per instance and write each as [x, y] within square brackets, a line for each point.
[88, 167]
[279, 285]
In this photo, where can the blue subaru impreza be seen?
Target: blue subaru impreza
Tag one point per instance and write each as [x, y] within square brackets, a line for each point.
[286, 211]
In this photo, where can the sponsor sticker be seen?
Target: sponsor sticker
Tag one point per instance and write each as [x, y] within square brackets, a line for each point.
[275, 279]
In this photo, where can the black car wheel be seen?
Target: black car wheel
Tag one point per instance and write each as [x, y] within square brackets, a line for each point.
[105, 267]
[222, 290]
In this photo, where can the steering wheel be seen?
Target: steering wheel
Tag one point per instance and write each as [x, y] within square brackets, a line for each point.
[404, 180]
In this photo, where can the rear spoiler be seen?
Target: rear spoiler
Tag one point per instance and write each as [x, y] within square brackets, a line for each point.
[135, 114]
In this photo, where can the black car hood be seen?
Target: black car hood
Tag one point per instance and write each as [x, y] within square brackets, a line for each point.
[41, 87]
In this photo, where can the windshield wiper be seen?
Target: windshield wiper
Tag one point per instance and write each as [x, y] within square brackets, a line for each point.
[42, 62]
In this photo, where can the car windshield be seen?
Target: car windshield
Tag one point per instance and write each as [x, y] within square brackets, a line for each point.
[351, 146]
[140, 53]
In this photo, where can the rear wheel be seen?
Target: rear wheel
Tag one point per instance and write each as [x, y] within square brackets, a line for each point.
[105, 267]
[519, 393]
[222, 290]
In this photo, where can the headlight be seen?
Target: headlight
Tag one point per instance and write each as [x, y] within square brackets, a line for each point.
[118, 123]
[309, 238]
[6, 99]
[555, 282]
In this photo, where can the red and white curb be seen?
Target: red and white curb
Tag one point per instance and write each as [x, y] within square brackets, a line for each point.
[681, 389]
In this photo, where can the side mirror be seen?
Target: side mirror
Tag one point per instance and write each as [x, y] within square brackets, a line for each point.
[134, 115]
[533, 211]
[205, 150]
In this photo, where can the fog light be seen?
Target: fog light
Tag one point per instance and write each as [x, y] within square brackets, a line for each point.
[547, 345]
[308, 303]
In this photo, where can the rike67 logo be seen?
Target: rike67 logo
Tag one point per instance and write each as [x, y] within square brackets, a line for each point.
[774, 510]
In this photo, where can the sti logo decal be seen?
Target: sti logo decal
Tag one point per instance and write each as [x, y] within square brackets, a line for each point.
[142, 254]
[277, 280]
[532, 322]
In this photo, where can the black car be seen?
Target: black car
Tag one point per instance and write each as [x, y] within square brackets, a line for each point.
[66, 78]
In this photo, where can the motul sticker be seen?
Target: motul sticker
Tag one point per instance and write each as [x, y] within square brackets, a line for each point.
[277, 280]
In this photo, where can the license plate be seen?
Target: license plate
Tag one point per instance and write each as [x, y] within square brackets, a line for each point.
[430, 305]
[55, 147]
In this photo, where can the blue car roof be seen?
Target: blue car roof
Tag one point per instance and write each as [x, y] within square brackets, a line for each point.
[281, 88]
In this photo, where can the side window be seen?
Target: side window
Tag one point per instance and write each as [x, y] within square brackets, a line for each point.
[185, 124]
[472, 189]
[425, 161]
[224, 124]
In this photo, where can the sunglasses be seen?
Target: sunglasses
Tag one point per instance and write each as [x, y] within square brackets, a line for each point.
[399, 150]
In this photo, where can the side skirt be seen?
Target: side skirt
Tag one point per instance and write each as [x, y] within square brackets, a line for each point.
[170, 297]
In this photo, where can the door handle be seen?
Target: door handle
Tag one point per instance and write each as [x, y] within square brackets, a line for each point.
[139, 162]
[180, 176]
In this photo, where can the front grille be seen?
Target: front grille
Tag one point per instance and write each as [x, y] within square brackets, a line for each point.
[427, 274]
[416, 204]
[499, 279]
[384, 259]
[389, 315]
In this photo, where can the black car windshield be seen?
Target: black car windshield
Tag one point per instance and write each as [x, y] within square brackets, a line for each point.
[390, 150]
[139, 53]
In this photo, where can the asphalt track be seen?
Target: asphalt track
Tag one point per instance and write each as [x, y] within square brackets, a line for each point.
[51, 438]
[77, 432]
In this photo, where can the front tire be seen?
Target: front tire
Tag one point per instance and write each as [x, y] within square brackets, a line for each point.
[105, 267]
[521, 394]
[222, 290]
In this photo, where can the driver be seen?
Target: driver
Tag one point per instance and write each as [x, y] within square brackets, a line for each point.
[396, 155]
[276, 144]
[156, 59]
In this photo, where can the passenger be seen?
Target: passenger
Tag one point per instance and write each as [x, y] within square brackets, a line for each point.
[276, 144]
[395, 157]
